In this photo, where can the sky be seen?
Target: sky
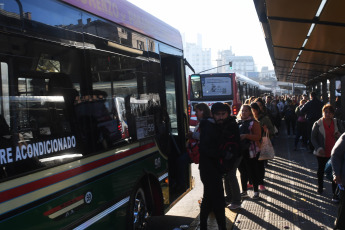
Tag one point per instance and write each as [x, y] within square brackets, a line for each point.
[222, 24]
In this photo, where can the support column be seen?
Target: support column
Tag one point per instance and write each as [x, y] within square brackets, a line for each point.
[332, 91]
[324, 92]
[318, 89]
[309, 89]
[342, 79]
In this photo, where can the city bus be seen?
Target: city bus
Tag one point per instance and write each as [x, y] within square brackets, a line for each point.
[93, 115]
[230, 88]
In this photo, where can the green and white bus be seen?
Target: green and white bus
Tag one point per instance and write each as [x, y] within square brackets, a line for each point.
[93, 115]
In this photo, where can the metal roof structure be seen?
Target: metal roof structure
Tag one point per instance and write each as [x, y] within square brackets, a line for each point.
[305, 38]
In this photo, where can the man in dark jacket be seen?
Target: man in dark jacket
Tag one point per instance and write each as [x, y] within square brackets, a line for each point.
[230, 147]
[210, 168]
[338, 168]
[313, 111]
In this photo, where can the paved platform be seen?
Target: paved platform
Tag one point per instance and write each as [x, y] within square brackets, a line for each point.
[291, 200]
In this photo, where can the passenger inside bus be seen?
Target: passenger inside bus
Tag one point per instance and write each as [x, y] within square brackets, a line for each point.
[92, 113]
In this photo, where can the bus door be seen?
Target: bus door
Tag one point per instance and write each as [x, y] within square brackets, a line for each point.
[176, 108]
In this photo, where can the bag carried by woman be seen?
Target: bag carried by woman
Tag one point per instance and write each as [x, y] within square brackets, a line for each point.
[193, 148]
[267, 150]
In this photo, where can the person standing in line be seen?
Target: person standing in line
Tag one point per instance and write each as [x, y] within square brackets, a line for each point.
[305, 97]
[211, 173]
[301, 126]
[250, 134]
[337, 113]
[231, 137]
[324, 133]
[338, 168]
[267, 126]
[290, 117]
[271, 106]
[202, 111]
[280, 105]
[313, 111]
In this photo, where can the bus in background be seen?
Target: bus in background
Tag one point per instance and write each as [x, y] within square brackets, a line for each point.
[230, 88]
[93, 115]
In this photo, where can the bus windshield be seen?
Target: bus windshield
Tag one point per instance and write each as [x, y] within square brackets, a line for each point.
[211, 87]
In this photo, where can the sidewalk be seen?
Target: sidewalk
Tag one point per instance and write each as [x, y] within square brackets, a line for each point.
[291, 200]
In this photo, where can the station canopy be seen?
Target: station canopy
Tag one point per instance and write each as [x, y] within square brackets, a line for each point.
[305, 38]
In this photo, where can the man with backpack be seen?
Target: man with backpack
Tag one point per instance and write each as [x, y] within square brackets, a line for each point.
[338, 171]
[230, 146]
[216, 153]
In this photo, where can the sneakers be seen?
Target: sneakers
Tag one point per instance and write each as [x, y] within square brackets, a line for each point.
[234, 206]
[262, 188]
[335, 199]
[249, 186]
[256, 196]
[244, 194]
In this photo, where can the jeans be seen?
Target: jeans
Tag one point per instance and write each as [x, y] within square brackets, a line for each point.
[340, 221]
[301, 132]
[290, 122]
[232, 188]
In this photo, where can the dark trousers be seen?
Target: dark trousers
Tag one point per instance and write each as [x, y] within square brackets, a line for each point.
[213, 199]
[290, 123]
[340, 222]
[232, 188]
[310, 124]
[301, 131]
[261, 171]
[321, 172]
[249, 171]
[321, 169]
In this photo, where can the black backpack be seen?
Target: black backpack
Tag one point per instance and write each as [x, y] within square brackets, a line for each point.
[229, 145]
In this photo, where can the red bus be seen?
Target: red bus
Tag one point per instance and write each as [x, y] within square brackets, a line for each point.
[93, 115]
[230, 88]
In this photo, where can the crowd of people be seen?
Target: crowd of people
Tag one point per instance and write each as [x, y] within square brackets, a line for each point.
[313, 125]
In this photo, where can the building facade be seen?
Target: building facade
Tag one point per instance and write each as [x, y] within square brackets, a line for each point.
[197, 56]
[240, 64]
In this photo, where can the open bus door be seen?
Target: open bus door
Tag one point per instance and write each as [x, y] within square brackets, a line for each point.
[176, 108]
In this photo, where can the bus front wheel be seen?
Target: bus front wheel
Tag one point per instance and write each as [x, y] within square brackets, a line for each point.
[138, 210]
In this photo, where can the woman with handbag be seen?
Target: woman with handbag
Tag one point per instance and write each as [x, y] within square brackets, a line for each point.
[250, 133]
[267, 127]
[324, 134]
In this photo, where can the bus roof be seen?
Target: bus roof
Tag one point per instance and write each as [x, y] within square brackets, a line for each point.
[264, 87]
[243, 78]
[128, 15]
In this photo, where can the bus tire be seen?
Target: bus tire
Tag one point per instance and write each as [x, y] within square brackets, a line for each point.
[138, 211]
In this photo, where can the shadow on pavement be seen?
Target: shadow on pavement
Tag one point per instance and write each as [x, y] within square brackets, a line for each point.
[168, 222]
